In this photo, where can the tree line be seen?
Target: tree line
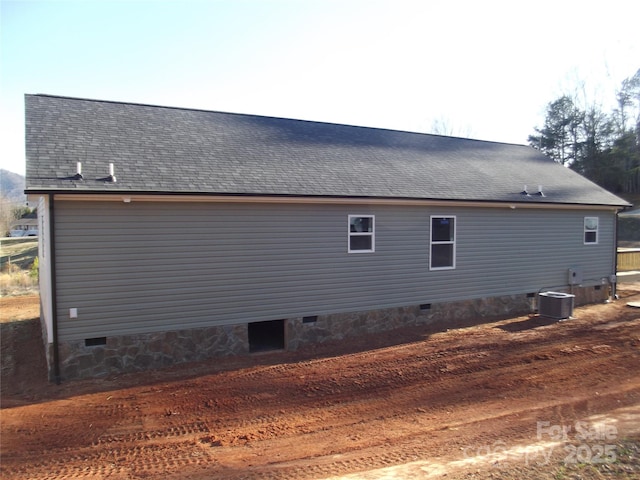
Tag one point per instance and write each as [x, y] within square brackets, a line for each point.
[602, 146]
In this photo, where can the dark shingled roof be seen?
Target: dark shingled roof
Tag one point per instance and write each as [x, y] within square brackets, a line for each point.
[175, 150]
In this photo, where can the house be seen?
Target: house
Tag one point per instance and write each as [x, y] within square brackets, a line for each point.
[26, 226]
[171, 235]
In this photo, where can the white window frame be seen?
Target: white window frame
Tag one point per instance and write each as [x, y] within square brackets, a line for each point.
[371, 234]
[449, 242]
[597, 230]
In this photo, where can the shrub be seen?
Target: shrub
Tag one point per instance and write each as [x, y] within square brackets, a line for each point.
[34, 270]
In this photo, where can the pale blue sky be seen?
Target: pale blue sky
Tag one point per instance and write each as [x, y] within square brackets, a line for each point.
[488, 68]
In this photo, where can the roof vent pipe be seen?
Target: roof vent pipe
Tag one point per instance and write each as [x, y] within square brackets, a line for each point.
[524, 192]
[112, 177]
[78, 175]
[540, 192]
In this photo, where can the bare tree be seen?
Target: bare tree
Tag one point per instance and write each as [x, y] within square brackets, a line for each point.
[9, 212]
[629, 105]
[444, 126]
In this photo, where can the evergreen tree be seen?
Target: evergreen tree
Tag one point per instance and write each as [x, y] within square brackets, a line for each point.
[603, 147]
[594, 159]
[559, 137]
[626, 148]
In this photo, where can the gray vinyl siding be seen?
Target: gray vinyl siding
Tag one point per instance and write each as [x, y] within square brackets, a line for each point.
[145, 267]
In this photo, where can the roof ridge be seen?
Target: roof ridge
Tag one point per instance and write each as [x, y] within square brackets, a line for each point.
[253, 115]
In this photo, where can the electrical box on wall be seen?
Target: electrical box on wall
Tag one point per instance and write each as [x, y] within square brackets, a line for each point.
[575, 276]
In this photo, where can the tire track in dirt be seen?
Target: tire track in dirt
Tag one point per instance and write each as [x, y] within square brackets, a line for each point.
[407, 448]
[190, 431]
[323, 417]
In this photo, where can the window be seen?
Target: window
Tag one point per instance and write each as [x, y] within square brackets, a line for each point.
[590, 230]
[443, 243]
[361, 233]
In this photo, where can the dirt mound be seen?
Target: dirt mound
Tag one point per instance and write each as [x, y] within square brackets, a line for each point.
[23, 368]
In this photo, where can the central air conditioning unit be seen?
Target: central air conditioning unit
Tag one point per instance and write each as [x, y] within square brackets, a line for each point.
[556, 305]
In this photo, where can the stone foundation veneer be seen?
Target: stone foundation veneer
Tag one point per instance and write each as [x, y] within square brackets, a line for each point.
[131, 353]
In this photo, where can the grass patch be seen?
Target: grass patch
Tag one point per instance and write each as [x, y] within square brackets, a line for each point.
[18, 266]
[625, 465]
[18, 252]
[17, 282]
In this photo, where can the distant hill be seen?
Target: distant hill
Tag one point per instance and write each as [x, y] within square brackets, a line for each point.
[12, 187]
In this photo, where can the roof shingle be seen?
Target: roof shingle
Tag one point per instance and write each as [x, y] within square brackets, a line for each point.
[171, 150]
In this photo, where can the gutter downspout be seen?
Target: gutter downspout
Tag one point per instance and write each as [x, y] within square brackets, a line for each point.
[54, 306]
[614, 285]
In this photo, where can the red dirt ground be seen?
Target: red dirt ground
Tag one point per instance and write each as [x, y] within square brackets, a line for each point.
[19, 307]
[408, 404]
